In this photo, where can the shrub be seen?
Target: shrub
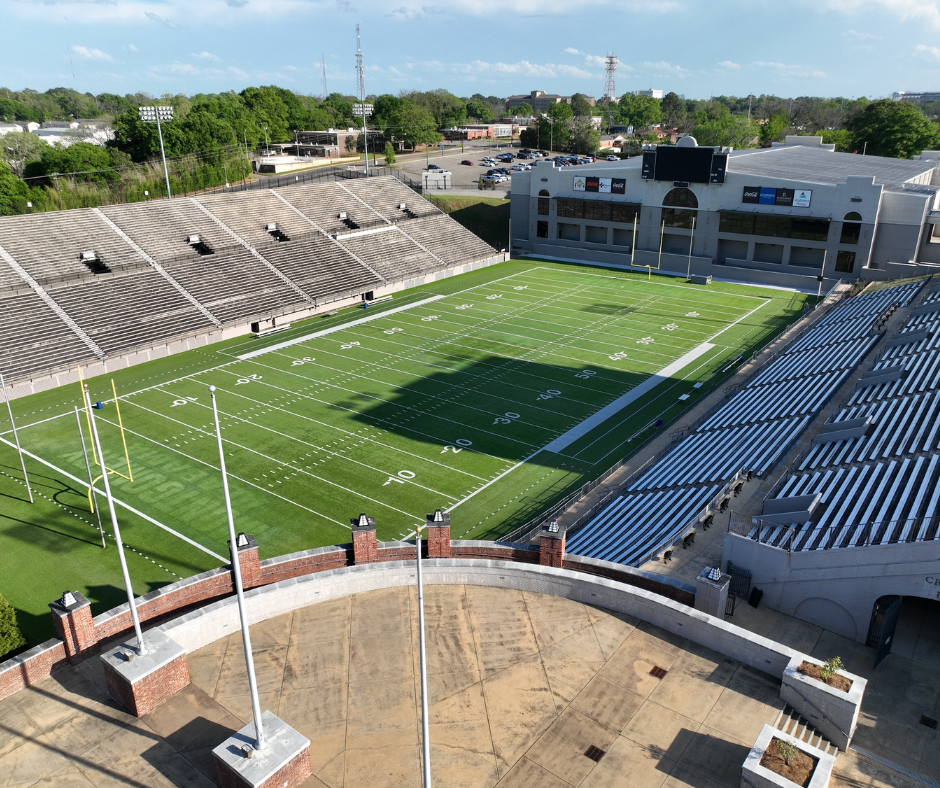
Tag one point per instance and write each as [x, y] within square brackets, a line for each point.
[10, 636]
[786, 750]
[830, 667]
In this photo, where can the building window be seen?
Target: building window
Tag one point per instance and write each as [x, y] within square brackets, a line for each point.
[845, 262]
[543, 203]
[624, 212]
[851, 228]
[935, 234]
[541, 229]
[774, 226]
[673, 204]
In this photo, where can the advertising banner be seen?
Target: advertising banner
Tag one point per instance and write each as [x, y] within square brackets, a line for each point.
[592, 183]
[767, 196]
[618, 186]
[784, 197]
[578, 183]
[603, 185]
[802, 198]
[751, 194]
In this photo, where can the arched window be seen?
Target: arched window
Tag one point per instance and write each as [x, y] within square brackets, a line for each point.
[851, 228]
[543, 203]
[675, 205]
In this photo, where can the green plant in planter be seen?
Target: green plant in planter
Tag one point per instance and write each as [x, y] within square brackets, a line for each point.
[787, 750]
[830, 667]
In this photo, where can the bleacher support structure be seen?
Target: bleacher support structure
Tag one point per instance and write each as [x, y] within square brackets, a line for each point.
[108, 287]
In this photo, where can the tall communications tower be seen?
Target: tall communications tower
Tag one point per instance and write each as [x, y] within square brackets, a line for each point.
[323, 90]
[610, 80]
[361, 77]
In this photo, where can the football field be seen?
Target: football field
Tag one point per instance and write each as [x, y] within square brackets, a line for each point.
[489, 395]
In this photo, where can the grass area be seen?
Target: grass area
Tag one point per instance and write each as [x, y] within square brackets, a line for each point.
[448, 402]
[487, 217]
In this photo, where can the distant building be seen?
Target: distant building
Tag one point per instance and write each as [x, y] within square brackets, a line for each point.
[19, 126]
[541, 101]
[481, 131]
[915, 98]
[68, 132]
[331, 143]
[656, 94]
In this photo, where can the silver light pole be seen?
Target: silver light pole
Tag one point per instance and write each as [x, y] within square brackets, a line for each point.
[155, 115]
[16, 439]
[91, 479]
[425, 738]
[239, 591]
[141, 646]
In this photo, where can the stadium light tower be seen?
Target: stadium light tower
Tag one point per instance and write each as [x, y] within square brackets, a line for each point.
[156, 115]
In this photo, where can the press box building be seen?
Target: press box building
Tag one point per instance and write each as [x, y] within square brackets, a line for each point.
[785, 215]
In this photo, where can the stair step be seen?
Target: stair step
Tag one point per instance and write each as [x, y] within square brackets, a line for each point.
[789, 721]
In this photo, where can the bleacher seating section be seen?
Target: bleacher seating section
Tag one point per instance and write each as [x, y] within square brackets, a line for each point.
[881, 487]
[754, 428]
[120, 300]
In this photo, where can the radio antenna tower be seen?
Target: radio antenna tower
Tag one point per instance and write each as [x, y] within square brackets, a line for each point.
[610, 81]
[361, 77]
[323, 90]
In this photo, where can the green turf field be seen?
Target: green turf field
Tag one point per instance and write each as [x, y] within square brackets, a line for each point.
[474, 394]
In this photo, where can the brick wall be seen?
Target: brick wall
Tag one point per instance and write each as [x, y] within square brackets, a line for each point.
[636, 580]
[31, 666]
[148, 693]
[292, 774]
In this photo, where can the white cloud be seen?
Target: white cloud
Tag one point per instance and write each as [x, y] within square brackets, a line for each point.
[860, 35]
[159, 19]
[131, 48]
[91, 54]
[573, 51]
[207, 56]
[346, 6]
[729, 64]
[662, 68]
[925, 10]
[236, 3]
[788, 70]
[238, 72]
[414, 14]
[927, 53]
[482, 68]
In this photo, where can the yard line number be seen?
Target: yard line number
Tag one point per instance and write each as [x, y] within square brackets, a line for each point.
[400, 479]
[247, 379]
[507, 418]
[549, 394]
[461, 445]
[299, 362]
[586, 374]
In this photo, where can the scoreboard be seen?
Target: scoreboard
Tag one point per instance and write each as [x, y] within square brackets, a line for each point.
[700, 164]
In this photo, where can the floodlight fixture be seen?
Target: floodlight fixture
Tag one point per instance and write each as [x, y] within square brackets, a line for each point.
[158, 115]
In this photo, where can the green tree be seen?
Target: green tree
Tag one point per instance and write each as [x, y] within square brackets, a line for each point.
[412, 125]
[14, 194]
[523, 110]
[896, 129]
[580, 106]
[389, 153]
[772, 129]
[10, 636]
[19, 148]
[715, 125]
[672, 109]
[843, 139]
[584, 137]
[88, 163]
[641, 112]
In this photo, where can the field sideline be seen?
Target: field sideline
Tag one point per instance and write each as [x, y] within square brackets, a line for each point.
[449, 395]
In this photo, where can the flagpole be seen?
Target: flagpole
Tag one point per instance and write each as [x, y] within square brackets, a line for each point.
[239, 591]
[141, 646]
[425, 737]
[16, 439]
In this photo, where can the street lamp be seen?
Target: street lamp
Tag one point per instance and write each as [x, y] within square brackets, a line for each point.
[266, 146]
[155, 115]
[551, 139]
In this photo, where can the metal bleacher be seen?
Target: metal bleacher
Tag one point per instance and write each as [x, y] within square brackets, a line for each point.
[756, 426]
[882, 485]
[390, 254]
[95, 283]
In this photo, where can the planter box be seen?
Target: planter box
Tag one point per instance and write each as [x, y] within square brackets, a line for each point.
[753, 775]
[832, 712]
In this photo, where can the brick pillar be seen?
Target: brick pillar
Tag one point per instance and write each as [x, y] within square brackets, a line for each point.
[365, 546]
[71, 617]
[248, 561]
[438, 535]
[552, 545]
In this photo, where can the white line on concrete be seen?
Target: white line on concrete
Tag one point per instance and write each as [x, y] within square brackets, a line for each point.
[120, 503]
[582, 429]
[324, 332]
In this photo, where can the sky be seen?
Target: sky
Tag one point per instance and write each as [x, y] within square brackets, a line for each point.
[696, 48]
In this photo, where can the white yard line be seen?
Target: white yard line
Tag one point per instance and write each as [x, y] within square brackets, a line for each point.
[730, 325]
[582, 429]
[325, 331]
[494, 479]
[84, 483]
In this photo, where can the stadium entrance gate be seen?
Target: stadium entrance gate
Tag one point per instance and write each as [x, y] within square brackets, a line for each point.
[884, 620]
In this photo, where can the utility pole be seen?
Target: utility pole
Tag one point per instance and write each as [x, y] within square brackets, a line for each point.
[323, 91]
[362, 96]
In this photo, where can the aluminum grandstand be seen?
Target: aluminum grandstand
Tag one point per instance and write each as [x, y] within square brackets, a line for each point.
[94, 285]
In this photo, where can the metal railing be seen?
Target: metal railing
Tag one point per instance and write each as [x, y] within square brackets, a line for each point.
[319, 175]
[840, 536]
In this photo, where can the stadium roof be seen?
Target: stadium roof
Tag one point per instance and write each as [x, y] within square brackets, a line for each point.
[816, 165]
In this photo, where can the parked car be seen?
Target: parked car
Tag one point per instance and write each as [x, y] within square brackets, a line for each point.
[611, 157]
[467, 162]
[434, 167]
[491, 178]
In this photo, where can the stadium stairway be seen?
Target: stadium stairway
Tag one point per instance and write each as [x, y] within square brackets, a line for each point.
[790, 721]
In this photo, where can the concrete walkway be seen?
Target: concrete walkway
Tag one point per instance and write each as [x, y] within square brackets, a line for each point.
[521, 685]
